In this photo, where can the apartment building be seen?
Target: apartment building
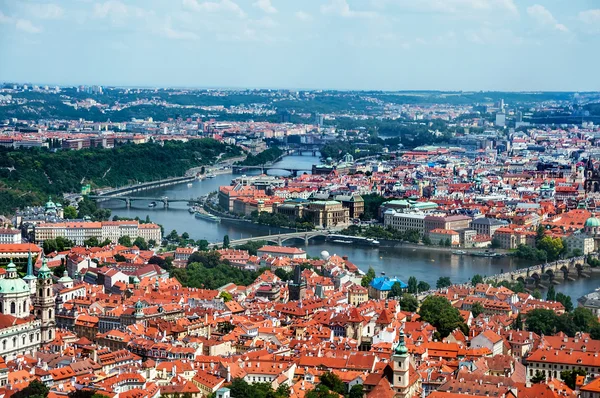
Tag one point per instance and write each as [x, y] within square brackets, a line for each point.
[80, 231]
[404, 221]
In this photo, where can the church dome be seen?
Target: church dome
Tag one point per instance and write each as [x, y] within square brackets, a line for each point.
[592, 222]
[65, 278]
[8, 286]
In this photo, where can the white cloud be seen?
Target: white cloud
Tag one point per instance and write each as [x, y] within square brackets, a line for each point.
[451, 6]
[117, 11]
[266, 6]
[545, 18]
[342, 9]
[5, 18]
[174, 34]
[25, 25]
[46, 11]
[303, 16]
[590, 17]
[214, 6]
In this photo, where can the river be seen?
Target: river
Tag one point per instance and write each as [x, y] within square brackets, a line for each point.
[400, 261]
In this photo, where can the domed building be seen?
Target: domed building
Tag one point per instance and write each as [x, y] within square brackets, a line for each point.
[15, 294]
[592, 226]
[21, 332]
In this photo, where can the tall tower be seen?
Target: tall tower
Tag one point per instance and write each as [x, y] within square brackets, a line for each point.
[297, 288]
[401, 365]
[30, 278]
[45, 302]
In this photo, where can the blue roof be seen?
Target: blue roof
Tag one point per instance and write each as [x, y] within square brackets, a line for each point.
[384, 283]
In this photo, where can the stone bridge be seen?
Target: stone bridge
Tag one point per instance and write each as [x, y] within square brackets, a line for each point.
[561, 269]
[277, 239]
[165, 200]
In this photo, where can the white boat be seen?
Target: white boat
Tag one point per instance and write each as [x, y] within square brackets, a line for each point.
[190, 184]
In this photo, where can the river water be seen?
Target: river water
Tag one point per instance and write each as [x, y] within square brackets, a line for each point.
[403, 262]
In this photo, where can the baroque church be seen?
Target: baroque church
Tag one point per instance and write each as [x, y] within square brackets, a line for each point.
[21, 330]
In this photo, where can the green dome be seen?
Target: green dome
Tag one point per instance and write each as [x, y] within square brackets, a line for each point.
[592, 222]
[8, 286]
[138, 305]
[65, 278]
[401, 347]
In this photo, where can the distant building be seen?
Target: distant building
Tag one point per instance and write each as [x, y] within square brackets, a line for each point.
[9, 235]
[281, 251]
[501, 119]
[379, 288]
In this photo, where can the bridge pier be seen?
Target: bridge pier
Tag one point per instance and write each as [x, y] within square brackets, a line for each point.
[128, 203]
[166, 203]
[279, 241]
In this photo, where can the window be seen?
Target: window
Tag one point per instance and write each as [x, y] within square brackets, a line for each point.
[13, 308]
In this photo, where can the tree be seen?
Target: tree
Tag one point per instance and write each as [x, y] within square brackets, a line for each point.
[595, 332]
[477, 309]
[565, 300]
[321, 391]
[423, 286]
[91, 242]
[426, 240]
[447, 242]
[409, 303]
[69, 212]
[539, 377]
[518, 325]
[226, 296]
[551, 294]
[333, 382]
[396, 290]
[140, 243]
[412, 285]
[185, 236]
[569, 377]
[119, 258]
[440, 313]
[369, 276]
[495, 244]
[356, 391]
[442, 282]
[35, 389]
[584, 319]
[226, 242]
[125, 240]
[576, 253]
[540, 233]
[552, 246]
[173, 236]
[202, 244]
[476, 279]
[537, 294]
[541, 321]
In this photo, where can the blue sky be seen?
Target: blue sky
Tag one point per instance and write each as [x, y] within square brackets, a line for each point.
[340, 44]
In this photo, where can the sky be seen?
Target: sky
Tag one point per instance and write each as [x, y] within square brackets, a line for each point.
[511, 45]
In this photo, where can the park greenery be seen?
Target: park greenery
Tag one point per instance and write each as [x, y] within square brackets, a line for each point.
[241, 388]
[331, 386]
[39, 173]
[546, 248]
[206, 269]
[281, 221]
[440, 313]
[548, 322]
[267, 156]
[372, 202]
[378, 232]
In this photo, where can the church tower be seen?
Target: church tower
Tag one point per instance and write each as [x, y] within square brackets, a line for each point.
[30, 278]
[45, 303]
[401, 366]
[297, 288]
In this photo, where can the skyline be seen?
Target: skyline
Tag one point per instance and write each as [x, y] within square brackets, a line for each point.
[389, 45]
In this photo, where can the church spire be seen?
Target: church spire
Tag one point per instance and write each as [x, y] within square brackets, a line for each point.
[29, 264]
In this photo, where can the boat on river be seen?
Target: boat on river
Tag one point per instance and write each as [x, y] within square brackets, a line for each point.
[459, 252]
[152, 204]
[207, 217]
